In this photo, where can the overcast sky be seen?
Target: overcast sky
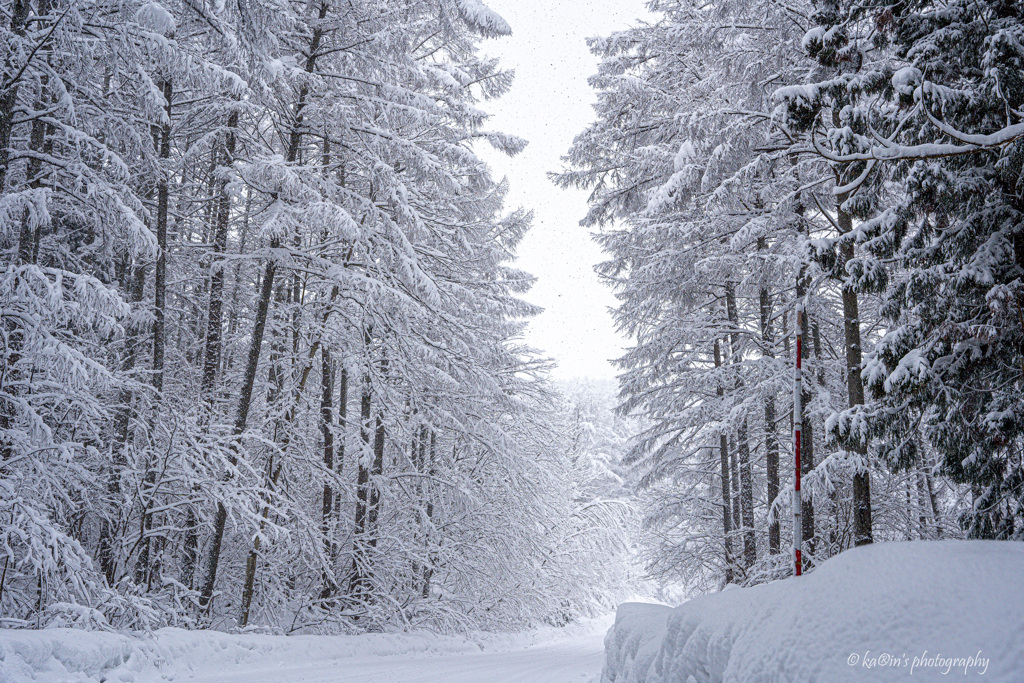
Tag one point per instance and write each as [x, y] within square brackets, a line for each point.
[548, 105]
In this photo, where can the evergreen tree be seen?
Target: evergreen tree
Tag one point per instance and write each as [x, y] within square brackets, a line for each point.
[949, 133]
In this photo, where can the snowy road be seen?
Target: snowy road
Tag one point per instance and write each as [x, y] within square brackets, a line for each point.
[576, 661]
[570, 654]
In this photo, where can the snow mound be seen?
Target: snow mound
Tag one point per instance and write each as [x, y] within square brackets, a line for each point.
[938, 610]
[46, 656]
[634, 640]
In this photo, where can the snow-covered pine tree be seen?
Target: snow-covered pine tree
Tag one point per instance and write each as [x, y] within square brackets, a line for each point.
[949, 130]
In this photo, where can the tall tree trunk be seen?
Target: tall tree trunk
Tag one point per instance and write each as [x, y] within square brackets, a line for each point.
[862, 532]
[373, 507]
[213, 346]
[771, 439]
[327, 502]
[418, 459]
[367, 487]
[742, 445]
[734, 470]
[236, 289]
[241, 421]
[807, 426]
[273, 473]
[339, 460]
[428, 568]
[723, 445]
[807, 465]
[145, 568]
[833, 494]
[746, 498]
[378, 469]
[734, 479]
[160, 270]
[20, 10]
[9, 97]
[215, 309]
[357, 586]
[27, 251]
[326, 430]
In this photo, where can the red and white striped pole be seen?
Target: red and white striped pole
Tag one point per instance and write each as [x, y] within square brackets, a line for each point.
[798, 421]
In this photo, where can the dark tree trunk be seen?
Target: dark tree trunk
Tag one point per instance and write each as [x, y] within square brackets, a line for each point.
[358, 585]
[236, 290]
[339, 460]
[428, 568]
[862, 532]
[737, 521]
[723, 445]
[833, 495]
[28, 239]
[373, 511]
[160, 270]
[215, 309]
[9, 98]
[327, 434]
[273, 473]
[771, 440]
[27, 251]
[145, 568]
[806, 467]
[742, 445]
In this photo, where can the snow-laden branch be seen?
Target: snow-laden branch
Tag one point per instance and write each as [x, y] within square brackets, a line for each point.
[888, 151]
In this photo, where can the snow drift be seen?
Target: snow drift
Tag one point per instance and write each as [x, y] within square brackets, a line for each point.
[931, 610]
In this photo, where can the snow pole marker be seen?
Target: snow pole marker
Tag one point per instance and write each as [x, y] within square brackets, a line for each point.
[798, 420]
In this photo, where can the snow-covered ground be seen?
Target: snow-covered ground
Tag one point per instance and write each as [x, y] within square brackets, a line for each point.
[939, 610]
[546, 655]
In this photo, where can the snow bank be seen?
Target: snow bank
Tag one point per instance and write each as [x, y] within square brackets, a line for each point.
[51, 655]
[68, 655]
[633, 641]
[939, 610]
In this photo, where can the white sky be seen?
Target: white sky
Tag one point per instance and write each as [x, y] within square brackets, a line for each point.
[549, 104]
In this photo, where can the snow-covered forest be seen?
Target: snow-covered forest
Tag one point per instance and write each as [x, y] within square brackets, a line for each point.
[261, 355]
[861, 160]
[263, 361]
